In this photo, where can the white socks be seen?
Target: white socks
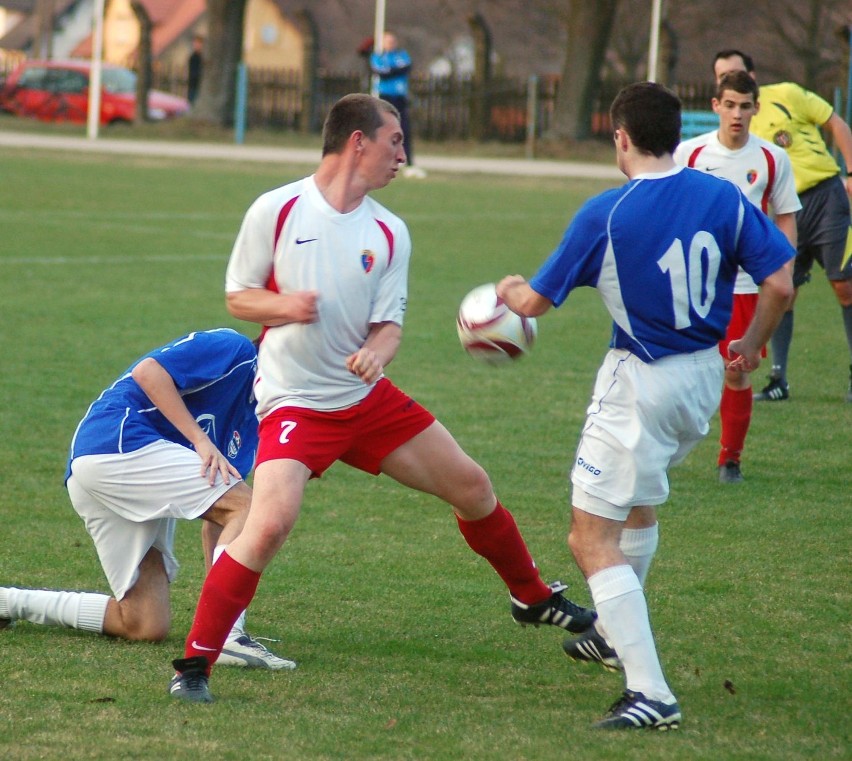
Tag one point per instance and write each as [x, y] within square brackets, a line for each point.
[623, 614]
[75, 610]
[639, 546]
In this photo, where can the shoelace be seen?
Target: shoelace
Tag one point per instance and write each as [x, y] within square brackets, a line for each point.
[193, 680]
[624, 701]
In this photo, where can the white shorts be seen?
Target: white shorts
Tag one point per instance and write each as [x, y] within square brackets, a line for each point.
[643, 418]
[129, 503]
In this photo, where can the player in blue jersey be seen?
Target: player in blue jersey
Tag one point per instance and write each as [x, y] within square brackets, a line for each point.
[173, 437]
[663, 252]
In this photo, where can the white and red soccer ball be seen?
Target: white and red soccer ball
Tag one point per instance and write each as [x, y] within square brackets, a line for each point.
[491, 332]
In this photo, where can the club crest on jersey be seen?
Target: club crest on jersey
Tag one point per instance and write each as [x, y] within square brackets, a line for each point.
[234, 445]
[782, 139]
[367, 260]
[751, 176]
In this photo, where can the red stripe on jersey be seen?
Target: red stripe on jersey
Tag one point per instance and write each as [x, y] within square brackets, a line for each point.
[282, 218]
[389, 236]
[271, 285]
[770, 182]
[693, 157]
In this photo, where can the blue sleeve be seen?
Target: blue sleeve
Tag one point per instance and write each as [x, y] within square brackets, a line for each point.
[577, 260]
[390, 64]
[201, 357]
[761, 248]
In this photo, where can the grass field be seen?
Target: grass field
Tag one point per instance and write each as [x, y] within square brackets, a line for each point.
[405, 644]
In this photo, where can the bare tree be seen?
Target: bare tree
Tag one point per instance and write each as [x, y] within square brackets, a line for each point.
[589, 24]
[223, 51]
[806, 33]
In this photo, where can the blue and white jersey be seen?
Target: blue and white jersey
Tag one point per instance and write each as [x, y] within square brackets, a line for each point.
[393, 68]
[663, 251]
[213, 370]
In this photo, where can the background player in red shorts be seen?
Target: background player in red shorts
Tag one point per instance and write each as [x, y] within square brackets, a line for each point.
[764, 173]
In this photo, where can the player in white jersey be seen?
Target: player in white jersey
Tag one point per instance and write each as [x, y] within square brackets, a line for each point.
[171, 439]
[324, 268]
[765, 175]
[663, 252]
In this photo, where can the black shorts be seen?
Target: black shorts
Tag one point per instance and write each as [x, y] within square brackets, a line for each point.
[823, 227]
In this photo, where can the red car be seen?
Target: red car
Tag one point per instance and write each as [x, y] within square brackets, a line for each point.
[56, 91]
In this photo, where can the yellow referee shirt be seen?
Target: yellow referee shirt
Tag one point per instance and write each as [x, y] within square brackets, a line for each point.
[791, 117]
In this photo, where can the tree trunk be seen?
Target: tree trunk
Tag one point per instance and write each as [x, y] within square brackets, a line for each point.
[223, 50]
[143, 62]
[589, 25]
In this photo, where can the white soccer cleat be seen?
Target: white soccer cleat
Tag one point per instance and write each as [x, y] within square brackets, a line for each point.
[246, 652]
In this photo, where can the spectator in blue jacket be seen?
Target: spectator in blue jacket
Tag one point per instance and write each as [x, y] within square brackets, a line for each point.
[393, 67]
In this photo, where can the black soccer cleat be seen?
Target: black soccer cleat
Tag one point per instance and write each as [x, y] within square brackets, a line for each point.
[634, 711]
[190, 683]
[776, 390]
[730, 473]
[591, 647]
[556, 610]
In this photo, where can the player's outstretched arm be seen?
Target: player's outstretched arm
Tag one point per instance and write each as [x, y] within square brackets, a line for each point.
[519, 296]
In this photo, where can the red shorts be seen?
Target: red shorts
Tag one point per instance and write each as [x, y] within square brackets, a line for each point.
[741, 317]
[361, 436]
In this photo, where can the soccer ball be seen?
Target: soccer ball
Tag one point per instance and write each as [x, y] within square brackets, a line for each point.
[491, 332]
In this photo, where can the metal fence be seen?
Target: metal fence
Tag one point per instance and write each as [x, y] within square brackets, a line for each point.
[443, 108]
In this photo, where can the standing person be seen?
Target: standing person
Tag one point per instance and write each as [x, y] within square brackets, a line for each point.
[393, 68]
[764, 174]
[195, 67]
[663, 251]
[172, 438]
[794, 118]
[324, 268]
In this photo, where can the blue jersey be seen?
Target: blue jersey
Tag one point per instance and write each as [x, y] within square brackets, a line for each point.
[393, 68]
[663, 252]
[214, 372]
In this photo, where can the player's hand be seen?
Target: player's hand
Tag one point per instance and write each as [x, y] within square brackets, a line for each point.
[744, 358]
[302, 306]
[213, 462]
[366, 364]
[507, 283]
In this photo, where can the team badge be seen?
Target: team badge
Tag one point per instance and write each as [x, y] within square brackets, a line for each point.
[782, 139]
[367, 259]
[234, 445]
[751, 176]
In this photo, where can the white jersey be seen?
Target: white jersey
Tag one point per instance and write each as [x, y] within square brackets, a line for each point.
[291, 239]
[760, 169]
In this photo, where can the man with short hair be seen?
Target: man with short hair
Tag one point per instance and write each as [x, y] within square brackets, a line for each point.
[764, 174]
[793, 119]
[324, 268]
[663, 251]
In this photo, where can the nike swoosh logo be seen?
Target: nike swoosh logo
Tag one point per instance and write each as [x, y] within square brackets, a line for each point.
[196, 646]
[300, 241]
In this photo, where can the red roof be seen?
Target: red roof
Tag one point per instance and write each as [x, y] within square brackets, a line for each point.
[169, 20]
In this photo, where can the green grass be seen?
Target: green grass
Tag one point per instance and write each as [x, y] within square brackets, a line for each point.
[403, 637]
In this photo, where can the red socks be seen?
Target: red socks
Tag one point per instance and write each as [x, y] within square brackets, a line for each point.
[227, 592]
[735, 417]
[497, 539]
